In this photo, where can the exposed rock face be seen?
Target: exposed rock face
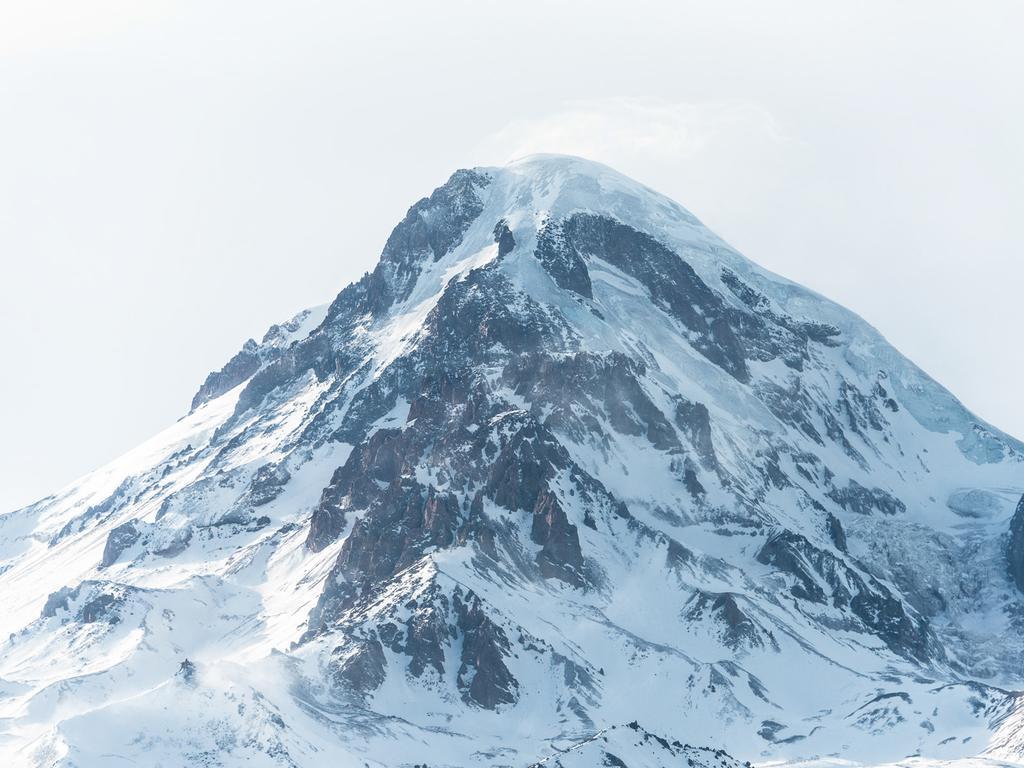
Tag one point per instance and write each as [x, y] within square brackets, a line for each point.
[363, 669]
[325, 525]
[563, 261]
[1015, 551]
[767, 333]
[88, 602]
[739, 624]
[267, 484]
[427, 634]
[400, 526]
[57, 601]
[253, 358]
[670, 280]
[504, 238]
[483, 677]
[429, 230]
[118, 540]
[97, 512]
[405, 521]
[739, 630]
[793, 406]
[236, 370]
[519, 480]
[791, 553]
[603, 387]
[440, 624]
[560, 555]
[836, 532]
[355, 484]
[902, 629]
[856, 498]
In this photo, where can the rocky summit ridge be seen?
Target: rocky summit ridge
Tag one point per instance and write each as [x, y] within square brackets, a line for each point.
[563, 460]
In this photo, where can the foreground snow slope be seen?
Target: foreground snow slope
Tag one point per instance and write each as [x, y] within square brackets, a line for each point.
[564, 461]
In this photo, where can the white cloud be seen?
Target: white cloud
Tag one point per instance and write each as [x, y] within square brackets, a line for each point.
[630, 132]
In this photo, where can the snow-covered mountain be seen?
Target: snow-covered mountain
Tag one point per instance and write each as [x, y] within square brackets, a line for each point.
[565, 480]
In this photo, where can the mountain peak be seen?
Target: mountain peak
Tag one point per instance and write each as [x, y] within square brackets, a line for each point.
[557, 184]
[563, 458]
[543, 168]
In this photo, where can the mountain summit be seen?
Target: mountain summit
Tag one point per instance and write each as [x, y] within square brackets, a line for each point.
[565, 480]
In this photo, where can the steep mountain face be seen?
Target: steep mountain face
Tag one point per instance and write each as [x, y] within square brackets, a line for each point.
[563, 461]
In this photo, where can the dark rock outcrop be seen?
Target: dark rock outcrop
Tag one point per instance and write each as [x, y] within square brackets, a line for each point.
[836, 532]
[483, 678]
[562, 261]
[738, 629]
[695, 423]
[560, 556]
[97, 512]
[483, 318]
[856, 498]
[405, 521]
[427, 634]
[118, 540]
[503, 237]
[519, 480]
[402, 524]
[791, 553]
[58, 601]
[823, 578]
[431, 228]
[88, 602]
[671, 282]
[1015, 550]
[606, 387]
[363, 669]
[325, 525]
[792, 405]
[267, 484]
[355, 484]
[239, 368]
[768, 333]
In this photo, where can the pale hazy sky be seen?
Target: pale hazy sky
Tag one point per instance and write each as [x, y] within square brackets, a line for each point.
[176, 176]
